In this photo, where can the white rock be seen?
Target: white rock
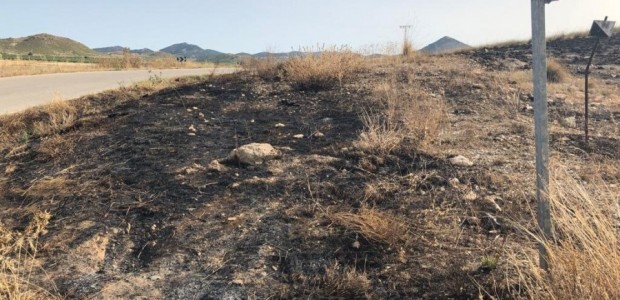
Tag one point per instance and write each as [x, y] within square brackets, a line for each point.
[254, 154]
[192, 128]
[318, 134]
[461, 161]
[298, 136]
[280, 125]
[454, 182]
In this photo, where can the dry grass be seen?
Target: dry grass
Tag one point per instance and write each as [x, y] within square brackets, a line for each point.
[268, 68]
[374, 225]
[406, 116]
[407, 48]
[344, 283]
[24, 67]
[584, 253]
[556, 72]
[323, 68]
[18, 252]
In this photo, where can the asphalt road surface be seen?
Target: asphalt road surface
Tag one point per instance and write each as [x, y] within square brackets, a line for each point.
[21, 92]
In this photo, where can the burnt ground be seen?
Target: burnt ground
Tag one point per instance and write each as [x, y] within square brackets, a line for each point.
[138, 214]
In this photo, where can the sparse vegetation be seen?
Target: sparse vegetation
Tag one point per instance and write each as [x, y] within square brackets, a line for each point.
[556, 73]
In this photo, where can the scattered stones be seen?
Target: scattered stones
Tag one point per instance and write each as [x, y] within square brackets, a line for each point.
[254, 154]
[298, 136]
[461, 161]
[279, 125]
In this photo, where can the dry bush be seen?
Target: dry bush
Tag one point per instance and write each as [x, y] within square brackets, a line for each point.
[374, 226]
[405, 116]
[268, 68]
[584, 253]
[556, 72]
[344, 283]
[318, 69]
[17, 260]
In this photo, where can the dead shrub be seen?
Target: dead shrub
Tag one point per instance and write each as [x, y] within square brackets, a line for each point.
[324, 68]
[584, 252]
[556, 72]
[404, 116]
[267, 68]
[374, 225]
[407, 48]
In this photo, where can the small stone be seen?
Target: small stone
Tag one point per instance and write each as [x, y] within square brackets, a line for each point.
[235, 185]
[298, 136]
[318, 134]
[238, 281]
[194, 108]
[201, 115]
[470, 196]
[192, 128]
[454, 182]
[155, 277]
[527, 107]
[191, 134]
[231, 219]
[461, 161]
[189, 110]
[356, 245]
[280, 125]
[326, 120]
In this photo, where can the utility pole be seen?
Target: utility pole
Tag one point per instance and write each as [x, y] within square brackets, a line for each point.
[541, 121]
[406, 29]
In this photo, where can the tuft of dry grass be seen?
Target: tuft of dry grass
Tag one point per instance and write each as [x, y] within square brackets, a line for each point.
[407, 48]
[323, 68]
[584, 253]
[344, 283]
[374, 225]
[556, 72]
[58, 116]
[17, 260]
[405, 116]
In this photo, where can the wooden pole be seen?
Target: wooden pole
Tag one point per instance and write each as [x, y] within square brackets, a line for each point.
[541, 120]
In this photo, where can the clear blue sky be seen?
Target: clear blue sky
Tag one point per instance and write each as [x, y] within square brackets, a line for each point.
[256, 25]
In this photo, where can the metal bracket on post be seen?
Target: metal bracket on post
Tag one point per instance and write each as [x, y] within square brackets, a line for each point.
[541, 121]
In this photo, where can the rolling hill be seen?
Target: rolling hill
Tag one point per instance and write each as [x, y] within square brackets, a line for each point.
[44, 44]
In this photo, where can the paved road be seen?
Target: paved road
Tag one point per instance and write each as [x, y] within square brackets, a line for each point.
[18, 93]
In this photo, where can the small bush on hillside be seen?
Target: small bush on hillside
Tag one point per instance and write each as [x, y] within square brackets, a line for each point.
[556, 72]
[267, 68]
[321, 69]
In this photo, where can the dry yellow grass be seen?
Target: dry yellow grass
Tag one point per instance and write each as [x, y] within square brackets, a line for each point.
[24, 67]
[374, 225]
[406, 115]
[322, 68]
[556, 72]
[268, 68]
[18, 252]
[344, 283]
[584, 253]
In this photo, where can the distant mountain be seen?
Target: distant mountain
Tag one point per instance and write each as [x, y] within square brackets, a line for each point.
[143, 51]
[44, 44]
[443, 45]
[113, 49]
[195, 52]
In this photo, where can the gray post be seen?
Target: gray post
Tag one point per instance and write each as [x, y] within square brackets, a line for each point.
[539, 66]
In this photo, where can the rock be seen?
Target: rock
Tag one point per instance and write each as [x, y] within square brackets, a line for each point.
[470, 196]
[298, 136]
[491, 204]
[527, 107]
[318, 134]
[155, 277]
[356, 245]
[191, 134]
[454, 182]
[254, 154]
[279, 125]
[192, 128]
[461, 161]
[215, 165]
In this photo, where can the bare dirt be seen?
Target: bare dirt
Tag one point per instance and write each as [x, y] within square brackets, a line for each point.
[138, 213]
